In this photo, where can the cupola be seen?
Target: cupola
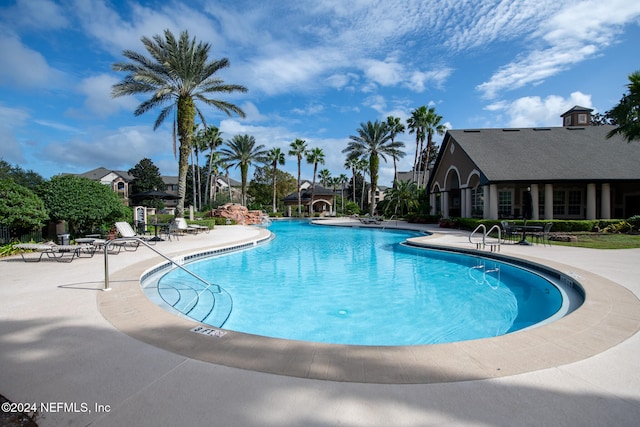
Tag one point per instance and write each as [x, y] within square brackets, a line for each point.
[577, 116]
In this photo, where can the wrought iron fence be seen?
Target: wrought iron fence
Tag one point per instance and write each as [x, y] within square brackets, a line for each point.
[5, 236]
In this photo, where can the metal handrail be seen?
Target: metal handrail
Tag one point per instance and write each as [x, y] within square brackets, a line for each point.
[389, 220]
[139, 240]
[484, 233]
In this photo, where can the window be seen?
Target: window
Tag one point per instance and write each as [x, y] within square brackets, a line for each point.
[567, 203]
[574, 205]
[558, 202]
[477, 201]
[582, 119]
[505, 202]
[541, 202]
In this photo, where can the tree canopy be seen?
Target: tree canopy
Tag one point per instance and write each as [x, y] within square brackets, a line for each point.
[20, 208]
[83, 203]
[626, 115]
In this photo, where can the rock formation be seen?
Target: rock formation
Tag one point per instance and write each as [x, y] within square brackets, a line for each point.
[240, 214]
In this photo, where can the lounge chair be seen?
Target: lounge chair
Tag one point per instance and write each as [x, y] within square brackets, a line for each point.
[370, 220]
[57, 252]
[125, 230]
[183, 227]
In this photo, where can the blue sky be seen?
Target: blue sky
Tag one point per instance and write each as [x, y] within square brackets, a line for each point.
[315, 70]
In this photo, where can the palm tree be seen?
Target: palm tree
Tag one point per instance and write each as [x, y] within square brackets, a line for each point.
[178, 73]
[342, 180]
[363, 165]
[314, 156]
[242, 151]
[626, 114]
[213, 138]
[395, 127]
[352, 163]
[199, 144]
[403, 197]
[373, 141]
[325, 176]
[298, 148]
[416, 125]
[275, 157]
[431, 125]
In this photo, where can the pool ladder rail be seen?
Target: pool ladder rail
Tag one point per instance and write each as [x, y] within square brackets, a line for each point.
[479, 236]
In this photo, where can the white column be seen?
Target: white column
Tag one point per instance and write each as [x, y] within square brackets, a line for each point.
[548, 201]
[493, 201]
[605, 208]
[591, 201]
[535, 201]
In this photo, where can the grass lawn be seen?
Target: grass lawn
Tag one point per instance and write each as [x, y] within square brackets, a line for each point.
[603, 241]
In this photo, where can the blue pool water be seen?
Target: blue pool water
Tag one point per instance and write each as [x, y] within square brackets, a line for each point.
[359, 286]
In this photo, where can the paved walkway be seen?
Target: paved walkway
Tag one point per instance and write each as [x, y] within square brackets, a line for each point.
[57, 349]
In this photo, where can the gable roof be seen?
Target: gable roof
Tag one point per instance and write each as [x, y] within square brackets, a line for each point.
[99, 173]
[547, 154]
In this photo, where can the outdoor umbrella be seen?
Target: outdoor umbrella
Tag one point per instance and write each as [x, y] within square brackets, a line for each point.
[154, 195]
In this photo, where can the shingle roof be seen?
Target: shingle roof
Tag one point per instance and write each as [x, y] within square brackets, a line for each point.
[559, 153]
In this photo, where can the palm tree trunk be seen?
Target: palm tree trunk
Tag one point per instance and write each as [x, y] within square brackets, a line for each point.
[313, 188]
[299, 195]
[185, 119]
[275, 171]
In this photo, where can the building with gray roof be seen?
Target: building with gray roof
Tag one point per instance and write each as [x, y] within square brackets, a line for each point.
[572, 172]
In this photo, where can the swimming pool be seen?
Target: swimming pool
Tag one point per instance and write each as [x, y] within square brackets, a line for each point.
[358, 286]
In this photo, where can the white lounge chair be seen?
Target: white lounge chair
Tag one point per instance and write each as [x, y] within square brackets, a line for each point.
[182, 226]
[125, 230]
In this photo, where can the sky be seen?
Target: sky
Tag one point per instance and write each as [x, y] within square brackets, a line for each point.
[314, 70]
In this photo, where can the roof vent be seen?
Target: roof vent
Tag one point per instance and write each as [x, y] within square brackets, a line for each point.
[471, 131]
[510, 130]
[541, 129]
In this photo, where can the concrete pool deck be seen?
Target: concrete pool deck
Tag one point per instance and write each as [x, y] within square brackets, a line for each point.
[58, 343]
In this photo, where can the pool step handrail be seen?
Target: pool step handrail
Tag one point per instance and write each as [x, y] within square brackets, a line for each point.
[389, 220]
[141, 241]
[481, 244]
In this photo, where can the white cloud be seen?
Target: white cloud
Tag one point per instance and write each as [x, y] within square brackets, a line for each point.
[571, 35]
[38, 14]
[120, 148]
[98, 99]
[25, 67]
[531, 111]
[11, 119]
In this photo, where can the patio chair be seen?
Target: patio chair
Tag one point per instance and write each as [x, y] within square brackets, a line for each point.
[183, 227]
[544, 234]
[508, 230]
[171, 230]
[125, 230]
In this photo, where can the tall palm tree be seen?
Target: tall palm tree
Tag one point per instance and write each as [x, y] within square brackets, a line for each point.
[431, 125]
[213, 137]
[395, 127]
[298, 149]
[342, 180]
[352, 164]
[416, 125]
[242, 151]
[325, 176]
[275, 157]
[363, 165]
[314, 156]
[199, 145]
[177, 74]
[373, 141]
